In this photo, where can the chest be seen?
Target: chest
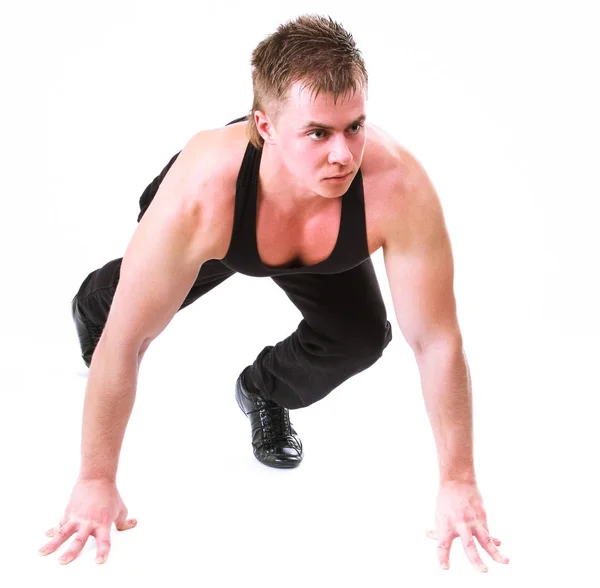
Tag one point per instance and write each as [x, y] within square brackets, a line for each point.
[309, 239]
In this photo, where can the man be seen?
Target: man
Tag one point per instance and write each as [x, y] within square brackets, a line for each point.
[304, 191]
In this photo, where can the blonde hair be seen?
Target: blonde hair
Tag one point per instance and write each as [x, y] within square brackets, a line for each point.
[311, 48]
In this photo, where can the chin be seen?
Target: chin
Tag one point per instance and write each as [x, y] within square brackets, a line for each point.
[335, 192]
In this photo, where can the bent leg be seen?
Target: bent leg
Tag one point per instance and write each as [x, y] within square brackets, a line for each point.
[344, 331]
[92, 302]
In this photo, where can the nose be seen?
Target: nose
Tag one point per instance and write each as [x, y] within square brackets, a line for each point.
[340, 153]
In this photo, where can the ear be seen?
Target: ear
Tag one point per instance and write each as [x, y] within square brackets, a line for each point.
[264, 126]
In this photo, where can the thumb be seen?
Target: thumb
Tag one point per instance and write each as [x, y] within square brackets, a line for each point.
[123, 523]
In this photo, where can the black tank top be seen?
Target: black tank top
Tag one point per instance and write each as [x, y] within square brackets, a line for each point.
[351, 247]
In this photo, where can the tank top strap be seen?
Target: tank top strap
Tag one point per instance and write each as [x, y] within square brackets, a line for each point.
[242, 256]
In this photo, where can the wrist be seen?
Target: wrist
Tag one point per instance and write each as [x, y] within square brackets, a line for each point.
[455, 478]
[90, 478]
[457, 464]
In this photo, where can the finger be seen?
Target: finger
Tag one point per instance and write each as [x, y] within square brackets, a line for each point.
[102, 535]
[443, 550]
[51, 532]
[126, 524]
[122, 523]
[468, 541]
[432, 534]
[59, 538]
[76, 546]
[485, 526]
[487, 542]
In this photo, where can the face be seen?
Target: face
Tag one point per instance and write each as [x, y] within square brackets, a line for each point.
[315, 139]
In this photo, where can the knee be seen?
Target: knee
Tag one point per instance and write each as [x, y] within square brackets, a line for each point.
[368, 343]
[354, 353]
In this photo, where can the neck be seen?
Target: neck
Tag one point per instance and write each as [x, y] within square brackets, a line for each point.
[280, 189]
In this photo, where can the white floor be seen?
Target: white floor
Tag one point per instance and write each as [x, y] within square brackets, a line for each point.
[500, 106]
[356, 510]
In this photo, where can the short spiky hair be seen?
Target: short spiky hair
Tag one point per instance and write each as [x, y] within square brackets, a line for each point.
[311, 48]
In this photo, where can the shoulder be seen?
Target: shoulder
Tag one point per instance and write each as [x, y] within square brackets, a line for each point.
[200, 186]
[408, 200]
[210, 163]
[397, 170]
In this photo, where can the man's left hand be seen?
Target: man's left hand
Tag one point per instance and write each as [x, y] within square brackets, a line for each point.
[460, 513]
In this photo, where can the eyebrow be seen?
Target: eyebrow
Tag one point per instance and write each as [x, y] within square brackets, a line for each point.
[360, 119]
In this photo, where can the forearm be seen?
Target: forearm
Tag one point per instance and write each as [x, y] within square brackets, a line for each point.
[109, 400]
[446, 383]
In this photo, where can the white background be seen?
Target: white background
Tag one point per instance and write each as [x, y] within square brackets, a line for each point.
[499, 101]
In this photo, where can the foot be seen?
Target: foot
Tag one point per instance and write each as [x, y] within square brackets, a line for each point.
[88, 334]
[274, 441]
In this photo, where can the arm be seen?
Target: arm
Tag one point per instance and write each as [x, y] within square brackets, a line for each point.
[420, 271]
[161, 263]
[159, 267]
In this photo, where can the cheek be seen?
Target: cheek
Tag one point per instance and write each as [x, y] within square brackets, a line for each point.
[359, 146]
[306, 159]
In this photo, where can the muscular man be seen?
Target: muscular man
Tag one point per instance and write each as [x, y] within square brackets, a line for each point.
[302, 190]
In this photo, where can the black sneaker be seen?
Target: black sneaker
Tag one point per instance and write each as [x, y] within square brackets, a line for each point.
[274, 441]
[88, 334]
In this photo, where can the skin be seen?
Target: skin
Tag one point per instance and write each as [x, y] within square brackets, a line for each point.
[298, 158]
[298, 216]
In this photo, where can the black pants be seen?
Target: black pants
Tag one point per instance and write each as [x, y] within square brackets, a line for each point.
[343, 332]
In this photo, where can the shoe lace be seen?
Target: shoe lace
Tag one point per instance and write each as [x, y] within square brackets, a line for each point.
[275, 421]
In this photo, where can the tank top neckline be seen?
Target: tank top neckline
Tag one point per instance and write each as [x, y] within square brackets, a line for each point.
[294, 263]
[252, 219]
[350, 248]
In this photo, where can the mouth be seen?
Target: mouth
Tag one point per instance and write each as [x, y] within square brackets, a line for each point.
[339, 177]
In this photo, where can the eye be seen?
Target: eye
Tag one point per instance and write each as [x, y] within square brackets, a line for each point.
[317, 131]
[358, 127]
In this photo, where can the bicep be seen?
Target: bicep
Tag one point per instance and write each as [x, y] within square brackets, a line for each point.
[420, 269]
[157, 272]
[159, 267]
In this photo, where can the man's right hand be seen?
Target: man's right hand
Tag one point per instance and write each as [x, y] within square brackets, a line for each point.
[94, 506]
